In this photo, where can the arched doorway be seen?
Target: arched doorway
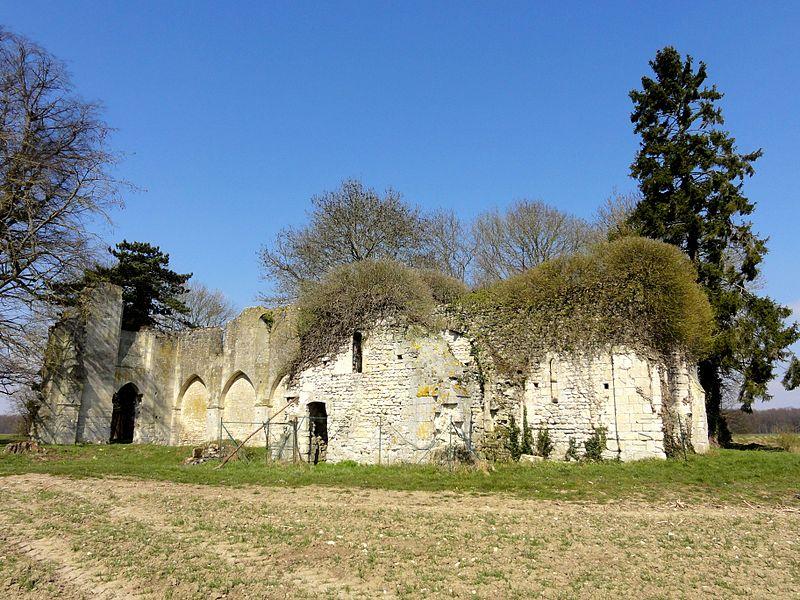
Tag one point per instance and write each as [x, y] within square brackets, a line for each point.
[123, 415]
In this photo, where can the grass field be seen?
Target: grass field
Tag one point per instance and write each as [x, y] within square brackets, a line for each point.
[721, 476]
[132, 521]
[789, 442]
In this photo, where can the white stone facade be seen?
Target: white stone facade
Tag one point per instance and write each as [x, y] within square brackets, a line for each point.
[418, 396]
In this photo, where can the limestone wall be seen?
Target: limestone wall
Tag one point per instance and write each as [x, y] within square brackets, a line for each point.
[619, 391]
[414, 395]
[418, 394]
[62, 383]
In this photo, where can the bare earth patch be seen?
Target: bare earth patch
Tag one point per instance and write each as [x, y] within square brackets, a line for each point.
[120, 538]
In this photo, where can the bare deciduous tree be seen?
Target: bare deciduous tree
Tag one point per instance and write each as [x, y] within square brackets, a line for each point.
[54, 180]
[449, 245]
[207, 307]
[612, 216]
[347, 225]
[527, 234]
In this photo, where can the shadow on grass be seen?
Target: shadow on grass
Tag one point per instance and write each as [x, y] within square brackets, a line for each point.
[10, 438]
[754, 446]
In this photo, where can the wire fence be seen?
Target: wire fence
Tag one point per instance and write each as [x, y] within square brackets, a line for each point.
[313, 439]
[296, 439]
[310, 438]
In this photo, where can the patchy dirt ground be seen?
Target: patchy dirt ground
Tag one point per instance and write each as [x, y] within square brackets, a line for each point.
[119, 538]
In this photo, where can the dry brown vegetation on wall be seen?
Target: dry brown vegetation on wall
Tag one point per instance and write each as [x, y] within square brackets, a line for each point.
[354, 296]
[632, 291]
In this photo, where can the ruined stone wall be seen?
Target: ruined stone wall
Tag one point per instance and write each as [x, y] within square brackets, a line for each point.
[79, 368]
[414, 396]
[63, 379]
[620, 391]
[418, 395]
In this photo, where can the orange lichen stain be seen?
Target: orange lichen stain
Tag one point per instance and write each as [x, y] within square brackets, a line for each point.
[425, 391]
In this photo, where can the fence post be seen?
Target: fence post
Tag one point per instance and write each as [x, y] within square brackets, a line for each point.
[269, 450]
[380, 437]
[295, 448]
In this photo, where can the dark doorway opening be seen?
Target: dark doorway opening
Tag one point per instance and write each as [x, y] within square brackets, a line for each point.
[123, 415]
[358, 353]
[317, 432]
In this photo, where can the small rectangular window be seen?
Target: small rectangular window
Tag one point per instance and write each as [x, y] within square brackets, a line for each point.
[358, 357]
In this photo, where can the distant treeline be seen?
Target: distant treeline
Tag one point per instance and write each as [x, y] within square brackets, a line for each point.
[773, 420]
[10, 423]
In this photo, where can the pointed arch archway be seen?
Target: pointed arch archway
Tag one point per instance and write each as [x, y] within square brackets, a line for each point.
[193, 412]
[238, 405]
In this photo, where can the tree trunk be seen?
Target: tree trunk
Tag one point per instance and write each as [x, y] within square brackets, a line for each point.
[708, 372]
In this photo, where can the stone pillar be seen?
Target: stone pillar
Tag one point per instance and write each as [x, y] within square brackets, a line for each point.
[103, 312]
[62, 383]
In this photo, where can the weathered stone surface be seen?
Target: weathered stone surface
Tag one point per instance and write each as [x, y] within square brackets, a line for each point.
[418, 394]
[530, 458]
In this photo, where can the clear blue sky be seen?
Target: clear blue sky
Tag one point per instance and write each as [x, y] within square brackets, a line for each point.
[232, 114]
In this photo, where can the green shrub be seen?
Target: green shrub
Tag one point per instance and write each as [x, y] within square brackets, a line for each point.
[527, 434]
[572, 451]
[632, 291]
[443, 288]
[595, 444]
[353, 297]
[544, 444]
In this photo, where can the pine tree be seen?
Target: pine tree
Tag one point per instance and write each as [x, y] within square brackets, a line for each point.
[150, 289]
[691, 177]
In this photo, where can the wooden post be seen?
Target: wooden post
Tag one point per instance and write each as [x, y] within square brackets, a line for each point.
[295, 448]
[451, 453]
[239, 447]
[269, 450]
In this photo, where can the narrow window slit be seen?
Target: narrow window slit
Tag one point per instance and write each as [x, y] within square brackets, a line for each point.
[358, 356]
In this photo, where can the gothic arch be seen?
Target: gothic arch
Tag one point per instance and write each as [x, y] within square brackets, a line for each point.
[238, 405]
[193, 412]
[233, 379]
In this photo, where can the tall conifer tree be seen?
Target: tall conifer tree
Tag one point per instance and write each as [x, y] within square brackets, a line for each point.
[150, 289]
[691, 176]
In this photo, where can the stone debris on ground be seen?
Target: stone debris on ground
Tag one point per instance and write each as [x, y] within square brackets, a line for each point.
[203, 454]
[530, 458]
[24, 447]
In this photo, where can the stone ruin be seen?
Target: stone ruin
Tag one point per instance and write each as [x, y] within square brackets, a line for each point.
[391, 394]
